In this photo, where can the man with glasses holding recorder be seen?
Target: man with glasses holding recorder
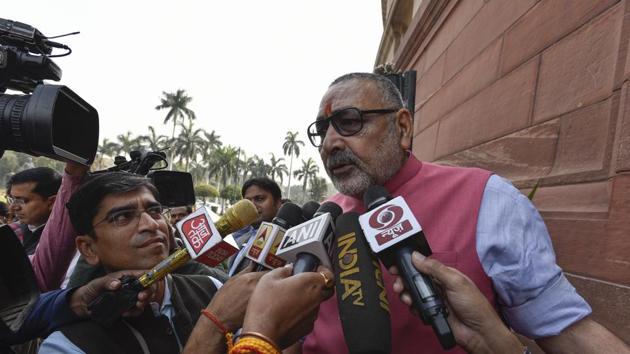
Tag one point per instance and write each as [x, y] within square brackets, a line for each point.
[474, 221]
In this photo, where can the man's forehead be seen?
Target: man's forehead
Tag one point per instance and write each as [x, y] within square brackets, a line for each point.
[351, 93]
[139, 197]
[22, 188]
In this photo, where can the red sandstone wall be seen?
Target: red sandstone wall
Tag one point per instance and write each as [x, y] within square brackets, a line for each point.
[539, 90]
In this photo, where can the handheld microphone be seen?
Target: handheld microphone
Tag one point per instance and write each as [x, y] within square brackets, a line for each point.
[267, 239]
[393, 234]
[309, 209]
[310, 244]
[110, 305]
[361, 295]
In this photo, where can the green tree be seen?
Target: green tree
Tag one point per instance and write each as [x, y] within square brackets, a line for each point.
[231, 193]
[222, 164]
[177, 105]
[189, 143]
[108, 148]
[204, 191]
[319, 189]
[291, 147]
[154, 141]
[308, 171]
[277, 168]
[128, 142]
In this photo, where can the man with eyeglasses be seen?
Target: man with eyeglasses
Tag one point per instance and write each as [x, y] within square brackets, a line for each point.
[121, 226]
[474, 221]
[31, 195]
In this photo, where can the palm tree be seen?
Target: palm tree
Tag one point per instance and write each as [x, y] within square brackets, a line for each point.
[212, 140]
[155, 142]
[189, 143]
[291, 147]
[129, 142]
[308, 171]
[319, 188]
[109, 148]
[223, 164]
[277, 168]
[177, 105]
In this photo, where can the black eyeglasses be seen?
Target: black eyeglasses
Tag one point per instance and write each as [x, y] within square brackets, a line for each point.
[347, 122]
[121, 218]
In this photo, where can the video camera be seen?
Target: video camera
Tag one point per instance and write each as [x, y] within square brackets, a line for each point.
[44, 121]
[175, 187]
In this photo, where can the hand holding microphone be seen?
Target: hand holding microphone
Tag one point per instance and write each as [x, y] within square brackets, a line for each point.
[284, 307]
[393, 234]
[475, 324]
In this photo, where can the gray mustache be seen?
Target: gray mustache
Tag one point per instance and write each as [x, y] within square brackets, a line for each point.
[342, 157]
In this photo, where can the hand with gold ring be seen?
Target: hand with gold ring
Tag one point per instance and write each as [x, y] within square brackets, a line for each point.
[284, 307]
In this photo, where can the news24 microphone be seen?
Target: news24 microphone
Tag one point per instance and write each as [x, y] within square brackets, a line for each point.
[363, 305]
[110, 305]
[310, 244]
[393, 234]
[267, 239]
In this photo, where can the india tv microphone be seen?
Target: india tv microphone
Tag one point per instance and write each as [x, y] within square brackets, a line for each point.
[310, 244]
[267, 239]
[109, 306]
[361, 295]
[393, 233]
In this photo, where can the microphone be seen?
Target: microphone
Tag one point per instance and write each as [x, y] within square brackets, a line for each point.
[309, 209]
[310, 244]
[393, 234]
[263, 248]
[202, 235]
[363, 306]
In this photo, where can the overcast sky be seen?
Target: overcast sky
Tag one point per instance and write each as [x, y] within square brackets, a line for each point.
[255, 69]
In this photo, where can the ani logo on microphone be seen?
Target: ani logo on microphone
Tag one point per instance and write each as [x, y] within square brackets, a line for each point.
[389, 224]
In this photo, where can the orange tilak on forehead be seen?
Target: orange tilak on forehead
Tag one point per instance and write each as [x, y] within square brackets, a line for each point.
[328, 108]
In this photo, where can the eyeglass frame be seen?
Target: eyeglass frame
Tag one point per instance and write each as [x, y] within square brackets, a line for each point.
[137, 215]
[16, 200]
[329, 120]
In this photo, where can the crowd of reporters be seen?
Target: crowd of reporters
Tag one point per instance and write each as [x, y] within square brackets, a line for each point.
[93, 238]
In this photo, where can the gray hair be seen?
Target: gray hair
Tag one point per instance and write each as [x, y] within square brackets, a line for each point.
[389, 91]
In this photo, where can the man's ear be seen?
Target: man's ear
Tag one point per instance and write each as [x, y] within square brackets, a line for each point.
[87, 246]
[404, 121]
[51, 202]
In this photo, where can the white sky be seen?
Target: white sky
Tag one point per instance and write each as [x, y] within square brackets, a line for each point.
[255, 69]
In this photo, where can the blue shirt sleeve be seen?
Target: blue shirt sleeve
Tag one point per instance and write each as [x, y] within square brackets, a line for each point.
[57, 343]
[50, 312]
[515, 251]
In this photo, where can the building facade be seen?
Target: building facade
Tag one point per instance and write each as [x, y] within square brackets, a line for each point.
[536, 91]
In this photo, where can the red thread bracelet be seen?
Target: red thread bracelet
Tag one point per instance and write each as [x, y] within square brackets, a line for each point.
[216, 321]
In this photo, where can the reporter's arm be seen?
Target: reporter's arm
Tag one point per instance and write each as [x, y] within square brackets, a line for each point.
[475, 324]
[56, 246]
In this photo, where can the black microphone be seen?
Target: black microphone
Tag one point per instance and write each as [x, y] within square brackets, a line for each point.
[309, 209]
[267, 239]
[393, 233]
[310, 244]
[363, 305]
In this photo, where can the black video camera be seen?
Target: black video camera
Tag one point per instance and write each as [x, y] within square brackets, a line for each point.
[45, 120]
[175, 188]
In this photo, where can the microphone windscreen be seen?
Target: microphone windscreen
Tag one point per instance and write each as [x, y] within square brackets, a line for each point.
[329, 207]
[363, 305]
[290, 213]
[309, 209]
[374, 194]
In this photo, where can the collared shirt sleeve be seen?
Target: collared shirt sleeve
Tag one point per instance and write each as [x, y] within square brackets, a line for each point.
[56, 246]
[515, 251]
[57, 343]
